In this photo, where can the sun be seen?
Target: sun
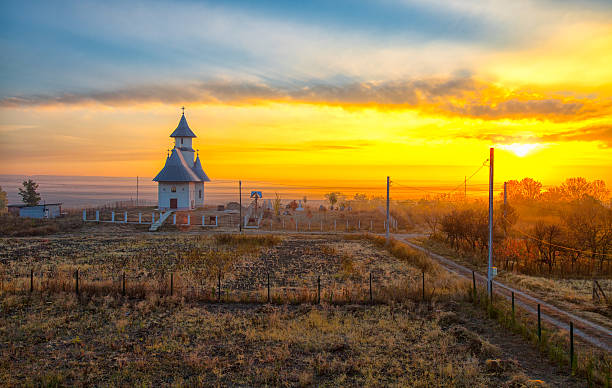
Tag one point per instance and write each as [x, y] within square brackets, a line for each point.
[519, 149]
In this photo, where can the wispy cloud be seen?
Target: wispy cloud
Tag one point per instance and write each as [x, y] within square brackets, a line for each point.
[454, 96]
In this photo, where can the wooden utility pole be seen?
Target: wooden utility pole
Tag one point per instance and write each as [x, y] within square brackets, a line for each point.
[387, 226]
[490, 266]
[136, 190]
[240, 201]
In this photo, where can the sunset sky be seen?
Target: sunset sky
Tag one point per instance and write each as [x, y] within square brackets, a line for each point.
[309, 91]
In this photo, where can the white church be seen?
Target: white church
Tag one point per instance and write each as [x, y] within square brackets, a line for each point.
[181, 181]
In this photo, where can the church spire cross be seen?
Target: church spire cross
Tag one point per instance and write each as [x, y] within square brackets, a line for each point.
[183, 108]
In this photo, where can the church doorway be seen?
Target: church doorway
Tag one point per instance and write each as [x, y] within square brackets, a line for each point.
[173, 203]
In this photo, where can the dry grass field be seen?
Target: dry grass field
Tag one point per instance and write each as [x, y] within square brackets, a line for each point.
[53, 337]
[61, 339]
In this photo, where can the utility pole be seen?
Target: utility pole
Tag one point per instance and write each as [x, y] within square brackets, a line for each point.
[240, 201]
[490, 267]
[136, 190]
[387, 230]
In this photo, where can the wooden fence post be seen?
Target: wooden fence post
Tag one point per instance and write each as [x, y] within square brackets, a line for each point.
[512, 306]
[571, 347]
[219, 287]
[31, 280]
[123, 284]
[318, 289]
[76, 285]
[268, 287]
[474, 285]
[423, 285]
[171, 283]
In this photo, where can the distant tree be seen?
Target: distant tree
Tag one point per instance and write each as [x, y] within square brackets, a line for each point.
[361, 197]
[509, 219]
[599, 191]
[3, 200]
[332, 198]
[305, 199]
[29, 193]
[575, 188]
[547, 239]
[525, 189]
[277, 204]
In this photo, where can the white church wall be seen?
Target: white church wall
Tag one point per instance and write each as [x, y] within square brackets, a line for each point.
[182, 194]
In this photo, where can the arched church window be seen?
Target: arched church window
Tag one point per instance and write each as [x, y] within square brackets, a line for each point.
[181, 141]
[200, 193]
[173, 189]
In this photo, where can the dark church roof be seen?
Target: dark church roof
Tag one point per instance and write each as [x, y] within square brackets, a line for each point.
[197, 168]
[177, 170]
[183, 129]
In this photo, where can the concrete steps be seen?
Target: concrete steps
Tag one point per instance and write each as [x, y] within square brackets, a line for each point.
[157, 224]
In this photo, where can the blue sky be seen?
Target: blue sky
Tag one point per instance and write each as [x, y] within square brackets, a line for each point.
[68, 46]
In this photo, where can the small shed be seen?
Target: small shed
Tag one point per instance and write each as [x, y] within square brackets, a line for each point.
[48, 210]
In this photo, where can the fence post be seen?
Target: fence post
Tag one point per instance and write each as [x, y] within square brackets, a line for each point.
[335, 225]
[171, 283]
[371, 288]
[474, 285]
[76, 285]
[188, 219]
[139, 218]
[296, 225]
[174, 219]
[219, 287]
[423, 285]
[319, 289]
[371, 224]
[321, 225]
[97, 215]
[268, 287]
[512, 306]
[153, 217]
[84, 215]
[283, 223]
[539, 325]
[125, 217]
[347, 226]
[31, 280]
[123, 284]
[112, 216]
[571, 347]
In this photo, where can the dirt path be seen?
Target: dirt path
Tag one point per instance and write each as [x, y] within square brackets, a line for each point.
[590, 332]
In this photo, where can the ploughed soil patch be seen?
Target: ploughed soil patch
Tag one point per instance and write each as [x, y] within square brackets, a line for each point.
[167, 341]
